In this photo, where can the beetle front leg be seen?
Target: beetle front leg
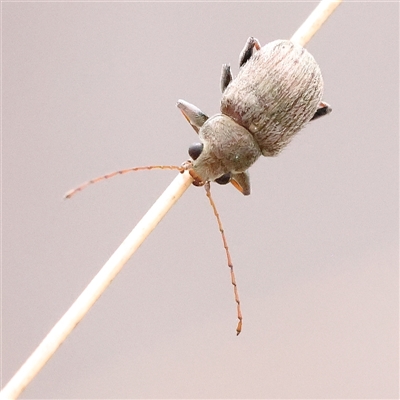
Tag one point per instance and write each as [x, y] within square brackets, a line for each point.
[323, 109]
[248, 50]
[241, 181]
[226, 76]
[193, 115]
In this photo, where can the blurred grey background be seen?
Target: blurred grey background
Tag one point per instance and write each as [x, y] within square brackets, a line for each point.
[89, 88]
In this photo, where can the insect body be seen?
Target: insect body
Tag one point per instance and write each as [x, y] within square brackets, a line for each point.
[277, 92]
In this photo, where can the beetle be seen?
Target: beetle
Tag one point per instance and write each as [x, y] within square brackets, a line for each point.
[277, 91]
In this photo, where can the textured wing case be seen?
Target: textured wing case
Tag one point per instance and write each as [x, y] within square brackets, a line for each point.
[275, 94]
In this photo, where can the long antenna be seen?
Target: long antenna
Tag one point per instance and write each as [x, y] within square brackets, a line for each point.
[228, 256]
[97, 286]
[69, 194]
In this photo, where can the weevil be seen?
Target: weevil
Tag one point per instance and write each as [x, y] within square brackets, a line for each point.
[277, 91]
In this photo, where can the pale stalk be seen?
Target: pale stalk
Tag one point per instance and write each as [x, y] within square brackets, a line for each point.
[96, 287]
[315, 20]
[109, 271]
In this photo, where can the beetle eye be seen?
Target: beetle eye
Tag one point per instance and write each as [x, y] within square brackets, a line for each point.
[195, 150]
[224, 179]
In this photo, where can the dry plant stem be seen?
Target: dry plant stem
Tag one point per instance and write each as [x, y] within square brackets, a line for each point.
[96, 287]
[315, 20]
[228, 256]
[93, 291]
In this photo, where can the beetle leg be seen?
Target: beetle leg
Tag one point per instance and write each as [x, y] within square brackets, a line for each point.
[226, 76]
[248, 50]
[241, 181]
[323, 109]
[193, 115]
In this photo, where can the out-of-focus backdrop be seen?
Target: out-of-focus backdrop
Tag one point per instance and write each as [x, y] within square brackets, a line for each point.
[89, 88]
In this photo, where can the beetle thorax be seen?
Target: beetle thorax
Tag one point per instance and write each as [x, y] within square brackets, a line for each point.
[228, 147]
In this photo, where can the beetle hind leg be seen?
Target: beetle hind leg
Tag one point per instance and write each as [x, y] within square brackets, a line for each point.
[323, 109]
[248, 50]
[226, 76]
[251, 45]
